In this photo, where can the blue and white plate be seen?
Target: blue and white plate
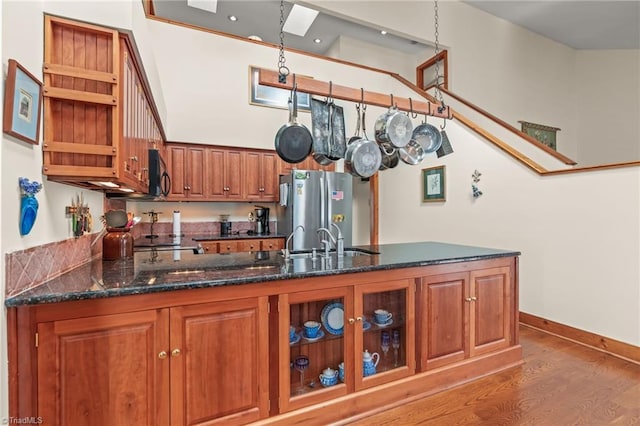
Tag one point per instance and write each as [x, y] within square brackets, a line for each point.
[332, 317]
[296, 339]
[366, 325]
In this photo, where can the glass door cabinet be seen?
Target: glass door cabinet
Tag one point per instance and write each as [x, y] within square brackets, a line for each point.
[385, 341]
[365, 338]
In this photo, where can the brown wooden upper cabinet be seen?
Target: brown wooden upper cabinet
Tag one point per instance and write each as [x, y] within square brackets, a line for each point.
[99, 117]
[187, 171]
[307, 164]
[225, 171]
[261, 176]
[202, 172]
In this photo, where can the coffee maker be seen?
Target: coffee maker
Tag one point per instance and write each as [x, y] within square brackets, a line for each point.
[262, 220]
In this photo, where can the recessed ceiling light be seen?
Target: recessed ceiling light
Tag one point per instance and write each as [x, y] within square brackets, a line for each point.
[255, 37]
[232, 18]
[317, 40]
[383, 32]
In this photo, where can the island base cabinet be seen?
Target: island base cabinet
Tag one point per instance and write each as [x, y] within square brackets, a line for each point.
[186, 365]
[466, 314]
[218, 363]
[104, 370]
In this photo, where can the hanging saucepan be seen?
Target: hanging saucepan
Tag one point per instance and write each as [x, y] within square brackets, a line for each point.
[363, 156]
[390, 157]
[412, 153]
[293, 140]
[427, 135]
[393, 128]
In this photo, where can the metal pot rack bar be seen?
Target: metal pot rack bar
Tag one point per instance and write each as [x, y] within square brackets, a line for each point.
[323, 88]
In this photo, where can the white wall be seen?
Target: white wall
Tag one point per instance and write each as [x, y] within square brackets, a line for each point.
[608, 93]
[363, 53]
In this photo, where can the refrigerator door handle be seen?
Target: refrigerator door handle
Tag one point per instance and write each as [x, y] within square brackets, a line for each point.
[323, 201]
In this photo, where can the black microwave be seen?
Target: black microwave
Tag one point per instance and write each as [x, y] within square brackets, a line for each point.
[159, 179]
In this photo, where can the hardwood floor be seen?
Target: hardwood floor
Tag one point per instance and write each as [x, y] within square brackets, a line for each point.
[561, 383]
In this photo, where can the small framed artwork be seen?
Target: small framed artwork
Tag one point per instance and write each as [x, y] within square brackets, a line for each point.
[22, 104]
[543, 134]
[273, 96]
[433, 184]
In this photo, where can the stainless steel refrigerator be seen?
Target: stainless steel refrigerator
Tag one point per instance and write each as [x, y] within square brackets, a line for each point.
[315, 199]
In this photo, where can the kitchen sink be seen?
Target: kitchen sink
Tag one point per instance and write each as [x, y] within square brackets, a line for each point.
[348, 252]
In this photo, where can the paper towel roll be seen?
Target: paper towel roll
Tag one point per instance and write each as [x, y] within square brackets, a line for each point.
[176, 223]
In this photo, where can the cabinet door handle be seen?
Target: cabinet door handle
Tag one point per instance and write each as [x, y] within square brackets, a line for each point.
[358, 318]
[474, 298]
[468, 299]
[175, 352]
[352, 321]
[162, 355]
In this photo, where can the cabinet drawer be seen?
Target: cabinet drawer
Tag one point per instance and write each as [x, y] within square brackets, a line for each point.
[228, 246]
[209, 246]
[273, 244]
[249, 245]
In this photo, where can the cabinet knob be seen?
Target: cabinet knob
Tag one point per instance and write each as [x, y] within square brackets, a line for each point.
[352, 321]
[474, 298]
[468, 299]
[358, 318]
[162, 355]
[175, 352]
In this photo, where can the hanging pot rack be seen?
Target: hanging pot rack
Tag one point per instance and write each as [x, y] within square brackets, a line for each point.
[322, 88]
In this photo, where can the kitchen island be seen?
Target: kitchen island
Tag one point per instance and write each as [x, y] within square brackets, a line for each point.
[190, 338]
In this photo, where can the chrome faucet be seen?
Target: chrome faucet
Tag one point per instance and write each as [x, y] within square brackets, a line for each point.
[338, 242]
[285, 250]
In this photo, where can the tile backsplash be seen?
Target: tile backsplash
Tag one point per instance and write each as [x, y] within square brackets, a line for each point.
[29, 268]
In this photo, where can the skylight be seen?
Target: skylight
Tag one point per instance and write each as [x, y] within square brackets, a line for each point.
[208, 5]
[299, 20]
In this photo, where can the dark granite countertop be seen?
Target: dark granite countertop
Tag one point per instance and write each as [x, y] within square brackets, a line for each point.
[165, 270]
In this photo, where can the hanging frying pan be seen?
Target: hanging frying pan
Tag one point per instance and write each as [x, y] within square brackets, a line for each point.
[293, 140]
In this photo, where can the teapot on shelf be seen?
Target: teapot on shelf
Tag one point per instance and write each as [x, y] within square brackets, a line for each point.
[329, 377]
[369, 363]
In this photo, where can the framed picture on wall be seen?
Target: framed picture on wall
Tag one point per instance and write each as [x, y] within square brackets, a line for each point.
[22, 104]
[433, 184]
[543, 134]
[273, 96]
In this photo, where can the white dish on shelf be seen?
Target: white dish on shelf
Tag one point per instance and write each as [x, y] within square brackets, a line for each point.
[386, 324]
[296, 339]
[313, 339]
[332, 318]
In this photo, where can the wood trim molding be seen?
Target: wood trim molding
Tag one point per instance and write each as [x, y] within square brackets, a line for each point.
[610, 346]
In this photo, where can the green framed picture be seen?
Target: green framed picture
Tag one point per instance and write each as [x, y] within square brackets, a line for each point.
[543, 134]
[433, 184]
